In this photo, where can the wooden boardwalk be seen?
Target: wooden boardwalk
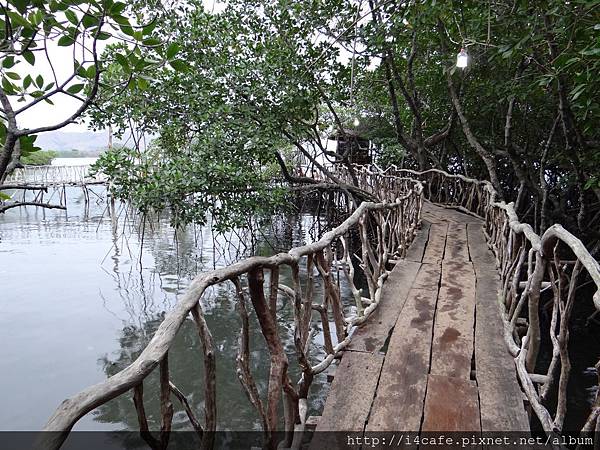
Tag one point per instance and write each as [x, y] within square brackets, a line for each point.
[433, 357]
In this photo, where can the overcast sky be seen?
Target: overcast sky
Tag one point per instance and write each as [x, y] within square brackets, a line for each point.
[64, 106]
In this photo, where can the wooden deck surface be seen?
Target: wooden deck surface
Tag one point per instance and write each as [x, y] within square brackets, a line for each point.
[433, 358]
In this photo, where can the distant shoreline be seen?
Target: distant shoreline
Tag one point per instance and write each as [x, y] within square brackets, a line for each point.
[75, 161]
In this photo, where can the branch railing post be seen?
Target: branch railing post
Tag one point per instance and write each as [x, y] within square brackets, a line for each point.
[381, 231]
[515, 245]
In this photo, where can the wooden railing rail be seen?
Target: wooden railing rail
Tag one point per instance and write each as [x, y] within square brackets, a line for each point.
[49, 175]
[384, 230]
[536, 272]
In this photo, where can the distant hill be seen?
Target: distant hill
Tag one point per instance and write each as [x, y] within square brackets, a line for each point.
[61, 141]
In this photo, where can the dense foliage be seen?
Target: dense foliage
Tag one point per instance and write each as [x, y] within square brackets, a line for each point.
[40, 38]
[41, 158]
[258, 77]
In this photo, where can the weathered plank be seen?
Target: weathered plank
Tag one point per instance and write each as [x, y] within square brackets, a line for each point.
[451, 354]
[417, 247]
[456, 243]
[428, 277]
[454, 321]
[499, 392]
[451, 405]
[456, 305]
[448, 213]
[349, 412]
[349, 399]
[371, 336]
[424, 384]
[436, 243]
[430, 213]
[402, 385]
[478, 248]
[434, 213]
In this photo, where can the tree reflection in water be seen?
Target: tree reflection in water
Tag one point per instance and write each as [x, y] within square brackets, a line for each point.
[196, 250]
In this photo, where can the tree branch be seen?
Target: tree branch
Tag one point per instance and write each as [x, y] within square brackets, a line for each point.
[8, 206]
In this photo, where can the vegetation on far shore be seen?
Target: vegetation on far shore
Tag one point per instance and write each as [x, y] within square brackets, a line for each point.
[41, 158]
[45, 157]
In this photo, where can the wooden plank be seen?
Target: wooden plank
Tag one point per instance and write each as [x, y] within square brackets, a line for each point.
[349, 400]
[459, 216]
[417, 247]
[428, 277]
[436, 243]
[456, 243]
[478, 248]
[449, 213]
[456, 304]
[451, 404]
[451, 354]
[402, 385]
[432, 213]
[499, 392]
[371, 336]
[454, 321]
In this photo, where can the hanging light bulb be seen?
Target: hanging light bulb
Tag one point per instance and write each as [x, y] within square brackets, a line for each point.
[462, 59]
[356, 122]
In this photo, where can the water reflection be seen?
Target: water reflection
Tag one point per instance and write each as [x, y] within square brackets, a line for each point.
[81, 298]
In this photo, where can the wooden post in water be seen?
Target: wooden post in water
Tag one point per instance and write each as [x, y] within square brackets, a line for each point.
[111, 199]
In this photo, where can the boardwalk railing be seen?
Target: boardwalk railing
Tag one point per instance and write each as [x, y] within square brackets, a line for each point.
[535, 271]
[384, 230]
[54, 175]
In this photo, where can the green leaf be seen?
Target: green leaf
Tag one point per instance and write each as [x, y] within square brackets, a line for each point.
[89, 21]
[37, 17]
[8, 87]
[21, 5]
[17, 19]
[577, 91]
[29, 57]
[179, 65]
[117, 8]
[122, 60]
[127, 29]
[4, 196]
[103, 35]
[13, 75]
[591, 52]
[151, 42]
[172, 50]
[71, 17]
[143, 84]
[27, 81]
[590, 183]
[65, 41]
[39, 81]
[81, 71]
[91, 72]
[147, 29]
[8, 62]
[122, 20]
[75, 88]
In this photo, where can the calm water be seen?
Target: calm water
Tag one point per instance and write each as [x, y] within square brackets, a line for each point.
[79, 299]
